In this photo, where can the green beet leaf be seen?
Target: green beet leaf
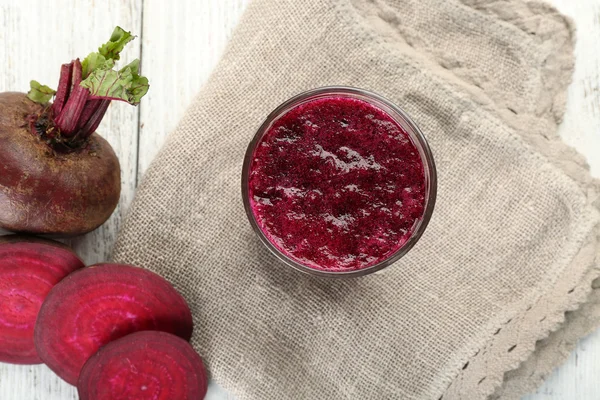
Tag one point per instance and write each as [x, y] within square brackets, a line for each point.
[125, 85]
[40, 93]
[118, 40]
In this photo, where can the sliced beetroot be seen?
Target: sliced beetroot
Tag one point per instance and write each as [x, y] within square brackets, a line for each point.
[102, 303]
[144, 365]
[29, 268]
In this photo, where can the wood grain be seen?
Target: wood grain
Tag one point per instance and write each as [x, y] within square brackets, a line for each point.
[581, 127]
[180, 43]
[36, 38]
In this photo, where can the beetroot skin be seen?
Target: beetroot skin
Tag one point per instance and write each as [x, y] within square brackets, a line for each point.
[29, 268]
[145, 365]
[43, 191]
[102, 303]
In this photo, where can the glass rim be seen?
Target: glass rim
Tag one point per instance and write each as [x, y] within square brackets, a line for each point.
[414, 133]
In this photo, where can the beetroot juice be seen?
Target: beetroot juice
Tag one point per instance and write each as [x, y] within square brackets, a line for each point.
[336, 184]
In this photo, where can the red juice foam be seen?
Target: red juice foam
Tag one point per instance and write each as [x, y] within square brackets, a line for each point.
[336, 184]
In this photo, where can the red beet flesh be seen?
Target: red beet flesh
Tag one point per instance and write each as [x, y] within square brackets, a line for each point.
[144, 365]
[102, 303]
[29, 268]
[46, 191]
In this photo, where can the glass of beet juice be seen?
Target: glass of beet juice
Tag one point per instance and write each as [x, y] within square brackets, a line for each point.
[339, 182]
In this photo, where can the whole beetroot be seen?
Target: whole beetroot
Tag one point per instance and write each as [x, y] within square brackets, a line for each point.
[47, 191]
[57, 176]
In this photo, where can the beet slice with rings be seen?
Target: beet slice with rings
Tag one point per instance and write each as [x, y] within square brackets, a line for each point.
[144, 365]
[29, 269]
[102, 303]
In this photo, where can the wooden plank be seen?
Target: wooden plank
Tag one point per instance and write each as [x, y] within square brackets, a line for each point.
[577, 379]
[181, 44]
[581, 127]
[36, 38]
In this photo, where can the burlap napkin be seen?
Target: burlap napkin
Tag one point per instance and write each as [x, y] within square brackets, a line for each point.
[512, 245]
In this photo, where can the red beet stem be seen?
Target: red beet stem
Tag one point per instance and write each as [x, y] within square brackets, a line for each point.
[68, 119]
[78, 109]
[76, 113]
[77, 71]
[92, 115]
[69, 116]
[90, 108]
[64, 88]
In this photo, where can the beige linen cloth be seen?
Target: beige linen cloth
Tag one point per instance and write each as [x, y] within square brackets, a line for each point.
[499, 288]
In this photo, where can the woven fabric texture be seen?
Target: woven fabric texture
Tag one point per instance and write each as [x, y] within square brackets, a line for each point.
[477, 308]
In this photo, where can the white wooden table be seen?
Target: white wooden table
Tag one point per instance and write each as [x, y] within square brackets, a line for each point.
[179, 43]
